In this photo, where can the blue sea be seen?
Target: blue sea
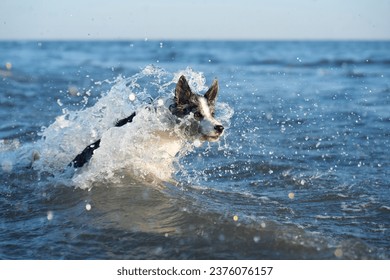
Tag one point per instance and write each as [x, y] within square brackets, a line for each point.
[302, 171]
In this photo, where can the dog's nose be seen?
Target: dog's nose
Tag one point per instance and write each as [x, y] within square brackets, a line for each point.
[219, 128]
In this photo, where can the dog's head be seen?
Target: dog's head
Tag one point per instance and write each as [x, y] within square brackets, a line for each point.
[200, 110]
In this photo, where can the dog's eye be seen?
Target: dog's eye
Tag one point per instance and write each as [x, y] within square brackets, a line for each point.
[198, 115]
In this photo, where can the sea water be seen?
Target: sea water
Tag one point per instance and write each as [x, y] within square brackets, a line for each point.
[302, 171]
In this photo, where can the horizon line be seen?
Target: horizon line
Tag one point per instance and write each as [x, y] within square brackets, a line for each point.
[138, 39]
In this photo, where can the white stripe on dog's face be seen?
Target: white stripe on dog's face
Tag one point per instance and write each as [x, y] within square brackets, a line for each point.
[204, 108]
[208, 123]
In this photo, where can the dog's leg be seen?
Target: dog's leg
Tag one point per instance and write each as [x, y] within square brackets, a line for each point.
[125, 120]
[87, 153]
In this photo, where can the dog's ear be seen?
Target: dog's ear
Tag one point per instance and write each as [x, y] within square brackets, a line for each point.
[183, 91]
[211, 94]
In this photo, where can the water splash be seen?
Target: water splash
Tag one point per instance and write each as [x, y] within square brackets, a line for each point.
[138, 151]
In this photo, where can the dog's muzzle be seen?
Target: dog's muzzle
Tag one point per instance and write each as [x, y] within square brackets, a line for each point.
[213, 137]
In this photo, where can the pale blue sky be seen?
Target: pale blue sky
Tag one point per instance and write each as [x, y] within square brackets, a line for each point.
[195, 19]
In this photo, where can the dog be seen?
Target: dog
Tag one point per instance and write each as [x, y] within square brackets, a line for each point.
[193, 114]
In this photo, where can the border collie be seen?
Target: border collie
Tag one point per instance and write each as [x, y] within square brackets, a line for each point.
[193, 114]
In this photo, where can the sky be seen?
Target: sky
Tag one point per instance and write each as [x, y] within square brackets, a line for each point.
[195, 19]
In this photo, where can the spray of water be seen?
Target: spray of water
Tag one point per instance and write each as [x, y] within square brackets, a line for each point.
[143, 149]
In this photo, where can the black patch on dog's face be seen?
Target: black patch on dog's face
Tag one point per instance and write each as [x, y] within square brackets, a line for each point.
[198, 116]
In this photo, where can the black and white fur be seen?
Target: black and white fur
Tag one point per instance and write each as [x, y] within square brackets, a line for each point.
[197, 110]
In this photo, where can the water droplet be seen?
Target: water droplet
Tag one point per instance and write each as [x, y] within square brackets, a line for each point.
[8, 66]
[73, 90]
[338, 252]
[197, 143]
[132, 97]
[160, 102]
[50, 215]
